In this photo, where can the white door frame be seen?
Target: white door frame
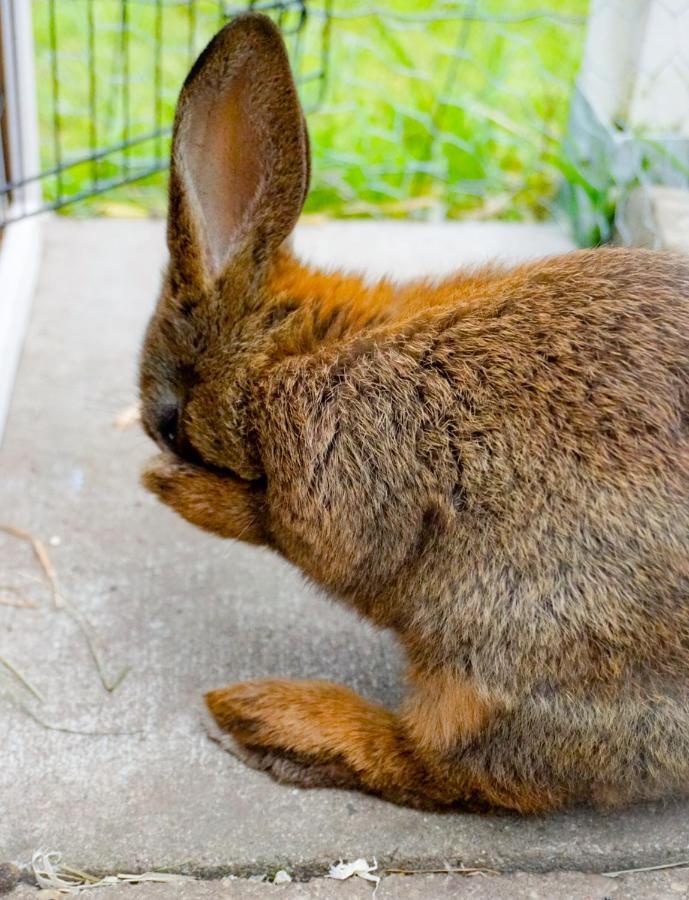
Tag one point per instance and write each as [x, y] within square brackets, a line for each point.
[20, 242]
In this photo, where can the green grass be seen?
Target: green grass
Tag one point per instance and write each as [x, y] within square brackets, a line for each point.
[424, 114]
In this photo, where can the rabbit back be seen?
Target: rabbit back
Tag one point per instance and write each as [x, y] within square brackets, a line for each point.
[504, 480]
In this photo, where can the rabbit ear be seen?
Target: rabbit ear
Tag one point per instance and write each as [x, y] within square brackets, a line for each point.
[240, 158]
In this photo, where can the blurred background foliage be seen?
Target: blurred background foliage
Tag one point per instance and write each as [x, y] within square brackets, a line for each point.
[427, 110]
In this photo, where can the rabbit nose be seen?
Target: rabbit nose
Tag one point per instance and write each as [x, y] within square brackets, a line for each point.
[167, 424]
[169, 431]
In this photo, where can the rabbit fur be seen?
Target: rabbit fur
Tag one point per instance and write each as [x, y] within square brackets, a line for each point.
[495, 466]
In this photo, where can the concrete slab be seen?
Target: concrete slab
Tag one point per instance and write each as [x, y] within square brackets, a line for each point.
[187, 612]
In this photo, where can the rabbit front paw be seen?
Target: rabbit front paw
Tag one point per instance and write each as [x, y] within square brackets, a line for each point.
[217, 502]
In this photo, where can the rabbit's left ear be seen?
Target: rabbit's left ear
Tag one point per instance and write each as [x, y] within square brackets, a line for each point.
[240, 157]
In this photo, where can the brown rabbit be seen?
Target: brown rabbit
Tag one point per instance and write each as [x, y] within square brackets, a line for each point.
[496, 467]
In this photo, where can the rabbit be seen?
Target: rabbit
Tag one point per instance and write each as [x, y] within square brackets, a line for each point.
[494, 466]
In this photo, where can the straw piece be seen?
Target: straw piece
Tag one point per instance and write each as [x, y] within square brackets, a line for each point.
[52, 874]
[91, 641]
[82, 733]
[59, 602]
[342, 871]
[42, 556]
[449, 870]
[675, 865]
[22, 679]
[45, 561]
[128, 417]
[19, 600]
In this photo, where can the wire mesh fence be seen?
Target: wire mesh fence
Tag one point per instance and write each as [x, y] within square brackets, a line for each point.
[108, 73]
[449, 109]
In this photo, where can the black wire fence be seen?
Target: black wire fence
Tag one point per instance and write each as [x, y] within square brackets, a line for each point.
[108, 73]
[449, 109]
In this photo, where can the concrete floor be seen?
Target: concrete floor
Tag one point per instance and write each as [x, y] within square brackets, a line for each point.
[187, 612]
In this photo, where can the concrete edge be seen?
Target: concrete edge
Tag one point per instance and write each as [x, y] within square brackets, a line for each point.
[310, 868]
[640, 885]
